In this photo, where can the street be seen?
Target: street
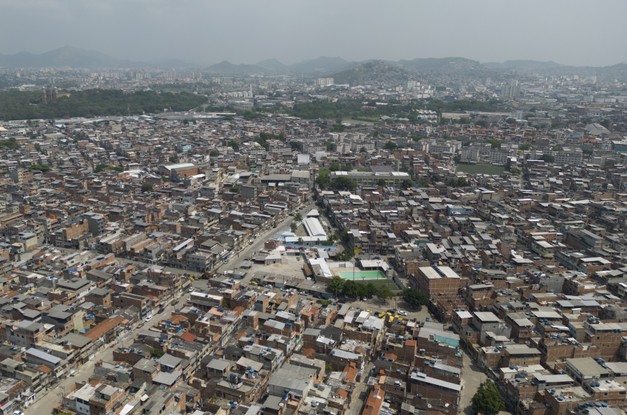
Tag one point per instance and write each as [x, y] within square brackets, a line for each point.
[262, 238]
[472, 377]
[46, 403]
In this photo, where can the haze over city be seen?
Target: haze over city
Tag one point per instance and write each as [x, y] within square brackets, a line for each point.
[573, 32]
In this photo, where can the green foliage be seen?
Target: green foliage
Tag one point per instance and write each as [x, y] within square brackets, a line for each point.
[331, 147]
[147, 187]
[214, 153]
[298, 217]
[156, 352]
[462, 105]
[324, 179]
[233, 144]
[342, 183]
[406, 184]
[265, 137]
[249, 115]
[339, 167]
[355, 109]
[515, 171]
[10, 144]
[346, 255]
[234, 189]
[39, 167]
[524, 146]
[93, 102]
[456, 182]
[549, 158]
[338, 128]
[102, 167]
[336, 285]
[487, 399]
[353, 289]
[296, 146]
[389, 145]
[38, 147]
[495, 143]
[383, 293]
[415, 299]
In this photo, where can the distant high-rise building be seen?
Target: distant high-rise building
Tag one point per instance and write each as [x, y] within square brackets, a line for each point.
[511, 90]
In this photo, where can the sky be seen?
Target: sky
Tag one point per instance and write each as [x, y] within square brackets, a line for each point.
[573, 32]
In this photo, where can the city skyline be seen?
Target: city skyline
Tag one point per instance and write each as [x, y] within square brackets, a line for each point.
[571, 33]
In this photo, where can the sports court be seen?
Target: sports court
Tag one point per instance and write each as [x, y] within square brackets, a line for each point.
[362, 275]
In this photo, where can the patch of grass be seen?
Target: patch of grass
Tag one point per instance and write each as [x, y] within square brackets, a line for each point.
[480, 169]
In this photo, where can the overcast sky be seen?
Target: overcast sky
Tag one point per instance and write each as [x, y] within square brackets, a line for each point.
[579, 32]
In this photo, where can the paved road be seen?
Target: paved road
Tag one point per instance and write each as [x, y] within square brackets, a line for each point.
[261, 239]
[360, 393]
[53, 397]
[472, 377]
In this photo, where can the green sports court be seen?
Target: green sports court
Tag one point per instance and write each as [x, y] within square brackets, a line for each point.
[362, 275]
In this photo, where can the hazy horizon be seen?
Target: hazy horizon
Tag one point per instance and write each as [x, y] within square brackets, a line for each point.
[569, 32]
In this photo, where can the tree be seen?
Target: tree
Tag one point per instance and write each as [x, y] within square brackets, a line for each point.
[342, 183]
[495, 143]
[154, 352]
[415, 299]
[298, 217]
[406, 184]
[296, 146]
[384, 293]
[214, 153]
[389, 145]
[39, 167]
[147, 187]
[324, 179]
[548, 158]
[293, 227]
[487, 400]
[336, 285]
[233, 144]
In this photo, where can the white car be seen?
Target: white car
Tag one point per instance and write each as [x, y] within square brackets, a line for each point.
[402, 313]
[148, 317]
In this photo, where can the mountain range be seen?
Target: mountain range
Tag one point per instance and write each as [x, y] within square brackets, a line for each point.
[342, 70]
